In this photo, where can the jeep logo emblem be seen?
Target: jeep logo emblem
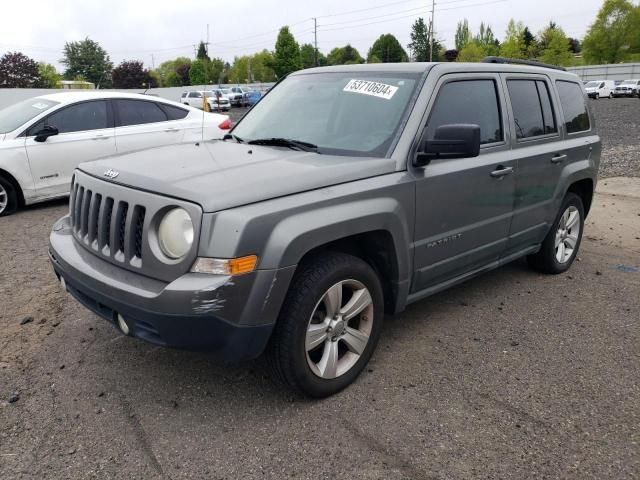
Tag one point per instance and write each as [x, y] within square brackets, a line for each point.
[111, 173]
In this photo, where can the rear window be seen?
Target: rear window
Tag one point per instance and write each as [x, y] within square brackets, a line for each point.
[574, 106]
[173, 112]
[532, 110]
[139, 112]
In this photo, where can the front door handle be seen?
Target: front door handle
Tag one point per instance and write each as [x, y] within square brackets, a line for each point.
[172, 130]
[502, 172]
[101, 137]
[558, 158]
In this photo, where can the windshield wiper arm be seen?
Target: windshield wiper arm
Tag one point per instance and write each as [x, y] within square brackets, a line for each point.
[231, 136]
[286, 142]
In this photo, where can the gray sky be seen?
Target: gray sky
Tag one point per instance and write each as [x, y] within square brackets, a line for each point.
[136, 29]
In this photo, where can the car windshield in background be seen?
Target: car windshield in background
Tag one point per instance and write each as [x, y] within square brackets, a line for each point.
[354, 113]
[18, 114]
[592, 84]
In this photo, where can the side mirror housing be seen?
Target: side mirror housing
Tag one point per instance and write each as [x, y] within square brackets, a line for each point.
[450, 141]
[46, 132]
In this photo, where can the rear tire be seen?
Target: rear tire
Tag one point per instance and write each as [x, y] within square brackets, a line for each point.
[561, 245]
[8, 197]
[329, 325]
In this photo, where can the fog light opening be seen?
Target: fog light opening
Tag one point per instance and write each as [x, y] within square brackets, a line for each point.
[122, 324]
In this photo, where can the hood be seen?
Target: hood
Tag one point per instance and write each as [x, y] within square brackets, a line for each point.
[220, 175]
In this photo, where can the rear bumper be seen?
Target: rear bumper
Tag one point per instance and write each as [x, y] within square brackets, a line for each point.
[230, 317]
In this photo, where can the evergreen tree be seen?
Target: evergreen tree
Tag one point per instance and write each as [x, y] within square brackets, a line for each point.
[463, 34]
[286, 58]
[388, 49]
[202, 52]
[420, 45]
[513, 45]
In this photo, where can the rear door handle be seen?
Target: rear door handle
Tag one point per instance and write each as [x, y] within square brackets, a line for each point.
[101, 137]
[502, 172]
[558, 158]
[172, 130]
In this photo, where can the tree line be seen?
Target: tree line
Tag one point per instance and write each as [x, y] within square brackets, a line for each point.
[613, 37]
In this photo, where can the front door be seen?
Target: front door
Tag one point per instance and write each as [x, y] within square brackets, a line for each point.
[464, 206]
[85, 133]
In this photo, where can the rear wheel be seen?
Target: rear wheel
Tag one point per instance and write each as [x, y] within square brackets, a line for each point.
[8, 197]
[329, 325]
[560, 247]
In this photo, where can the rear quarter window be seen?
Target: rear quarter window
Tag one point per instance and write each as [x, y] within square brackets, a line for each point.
[574, 106]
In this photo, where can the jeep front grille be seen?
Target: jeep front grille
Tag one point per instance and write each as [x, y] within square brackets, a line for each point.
[113, 222]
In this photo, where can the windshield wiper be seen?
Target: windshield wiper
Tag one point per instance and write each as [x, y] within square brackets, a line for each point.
[286, 142]
[231, 136]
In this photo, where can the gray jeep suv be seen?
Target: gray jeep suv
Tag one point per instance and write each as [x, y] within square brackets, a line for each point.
[346, 193]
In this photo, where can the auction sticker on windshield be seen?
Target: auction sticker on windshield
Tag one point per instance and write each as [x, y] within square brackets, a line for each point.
[367, 87]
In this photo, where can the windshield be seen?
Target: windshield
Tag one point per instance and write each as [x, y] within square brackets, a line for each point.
[354, 113]
[226, 91]
[629, 82]
[592, 84]
[20, 113]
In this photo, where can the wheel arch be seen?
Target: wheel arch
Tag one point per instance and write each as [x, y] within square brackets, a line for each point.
[584, 189]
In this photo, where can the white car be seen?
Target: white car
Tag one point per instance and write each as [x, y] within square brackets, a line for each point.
[43, 139]
[628, 88]
[600, 89]
[216, 102]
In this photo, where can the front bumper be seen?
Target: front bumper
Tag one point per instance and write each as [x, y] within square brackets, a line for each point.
[230, 317]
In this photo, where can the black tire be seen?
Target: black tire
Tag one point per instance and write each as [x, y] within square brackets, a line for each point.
[8, 190]
[545, 260]
[286, 354]
[597, 97]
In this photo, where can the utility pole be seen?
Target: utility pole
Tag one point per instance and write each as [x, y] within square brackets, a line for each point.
[315, 40]
[433, 13]
[153, 63]
[207, 47]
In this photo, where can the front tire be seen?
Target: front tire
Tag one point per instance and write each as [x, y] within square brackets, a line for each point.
[8, 197]
[560, 247]
[329, 325]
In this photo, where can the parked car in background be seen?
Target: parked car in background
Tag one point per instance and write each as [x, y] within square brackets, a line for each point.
[43, 139]
[600, 89]
[215, 98]
[628, 88]
[253, 97]
[235, 91]
[236, 99]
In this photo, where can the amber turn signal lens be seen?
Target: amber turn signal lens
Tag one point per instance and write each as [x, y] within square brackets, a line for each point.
[225, 266]
[238, 266]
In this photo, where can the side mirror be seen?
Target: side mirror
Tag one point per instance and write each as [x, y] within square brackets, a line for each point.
[46, 132]
[450, 141]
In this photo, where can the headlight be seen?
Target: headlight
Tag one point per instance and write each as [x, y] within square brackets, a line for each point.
[175, 233]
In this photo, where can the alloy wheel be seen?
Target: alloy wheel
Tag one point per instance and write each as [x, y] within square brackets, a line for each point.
[4, 199]
[339, 329]
[567, 234]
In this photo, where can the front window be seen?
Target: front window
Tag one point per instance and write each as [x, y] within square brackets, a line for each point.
[356, 113]
[20, 113]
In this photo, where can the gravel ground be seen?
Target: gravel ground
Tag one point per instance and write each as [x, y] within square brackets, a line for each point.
[511, 375]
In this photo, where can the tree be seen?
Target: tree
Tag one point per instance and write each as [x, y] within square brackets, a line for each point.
[574, 45]
[183, 66]
[286, 58]
[451, 55]
[167, 72]
[557, 50]
[214, 70]
[463, 34]
[513, 45]
[346, 55]
[614, 31]
[49, 76]
[89, 59]
[202, 52]
[18, 71]
[132, 74]
[388, 49]
[198, 73]
[472, 52]
[420, 45]
[487, 40]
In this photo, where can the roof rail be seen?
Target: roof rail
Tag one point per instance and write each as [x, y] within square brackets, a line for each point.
[517, 61]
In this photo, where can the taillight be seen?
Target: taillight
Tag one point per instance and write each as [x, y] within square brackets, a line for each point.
[226, 125]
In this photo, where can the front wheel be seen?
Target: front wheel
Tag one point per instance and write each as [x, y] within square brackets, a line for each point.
[610, 96]
[560, 246]
[8, 198]
[329, 325]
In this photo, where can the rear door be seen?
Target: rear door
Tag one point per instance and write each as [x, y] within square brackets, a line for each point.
[144, 124]
[464, 206]
[540, 153]
[85, 133]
